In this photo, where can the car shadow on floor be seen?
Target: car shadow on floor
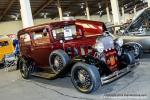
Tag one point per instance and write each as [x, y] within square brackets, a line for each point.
[66, 84]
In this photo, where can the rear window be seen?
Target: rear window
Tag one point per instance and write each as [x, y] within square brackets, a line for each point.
[25, 39]
[4, 43]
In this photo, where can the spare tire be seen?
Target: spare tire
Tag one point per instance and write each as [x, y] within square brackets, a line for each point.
[58, 61]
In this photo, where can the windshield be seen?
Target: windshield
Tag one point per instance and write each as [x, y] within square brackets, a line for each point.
[3, 43]
[65, 33]
[142, 24]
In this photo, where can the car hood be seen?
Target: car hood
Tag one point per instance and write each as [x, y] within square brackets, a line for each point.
[137, 19]
[83, 41]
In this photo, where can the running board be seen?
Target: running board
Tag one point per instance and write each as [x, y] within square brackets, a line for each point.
[44, 75]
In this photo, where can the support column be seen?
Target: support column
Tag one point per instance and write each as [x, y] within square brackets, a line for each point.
[134, 10]
[87, 10]
[26, 14]
[123, 15]
[115, 11]
[148, 1]
[108, 14]
[107, 11]
[59, 10]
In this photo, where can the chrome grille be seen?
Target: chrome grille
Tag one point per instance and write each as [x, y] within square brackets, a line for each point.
[107, 42]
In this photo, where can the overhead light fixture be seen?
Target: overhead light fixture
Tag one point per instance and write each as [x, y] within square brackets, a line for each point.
[100, 12]
[99, 5]
[125, 6]
[44, 15]
[67, 13]
[85, 13]
[144, 1]
[15, 16]
[82, 5]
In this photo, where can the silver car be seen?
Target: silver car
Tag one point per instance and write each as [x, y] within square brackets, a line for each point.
[138, 31]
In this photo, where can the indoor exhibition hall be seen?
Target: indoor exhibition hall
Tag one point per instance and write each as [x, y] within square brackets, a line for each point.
[74, 49]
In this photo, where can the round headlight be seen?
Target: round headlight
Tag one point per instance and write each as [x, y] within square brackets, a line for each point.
[99, 47]
[119, 41]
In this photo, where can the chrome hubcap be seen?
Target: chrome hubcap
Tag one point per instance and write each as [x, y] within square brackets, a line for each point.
[56, 62]
[136, 50]
[81, 77]
[23, 68]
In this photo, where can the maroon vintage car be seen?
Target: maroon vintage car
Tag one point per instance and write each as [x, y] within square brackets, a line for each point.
[81, 47]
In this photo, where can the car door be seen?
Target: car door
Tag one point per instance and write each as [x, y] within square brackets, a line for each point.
[25, 44]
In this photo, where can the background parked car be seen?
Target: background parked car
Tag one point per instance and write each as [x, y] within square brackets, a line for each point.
[137, 31]
[6, 47]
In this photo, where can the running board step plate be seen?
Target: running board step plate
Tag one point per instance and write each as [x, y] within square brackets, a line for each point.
[44, 75]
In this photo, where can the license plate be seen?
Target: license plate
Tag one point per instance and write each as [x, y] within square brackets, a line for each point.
[112, 60]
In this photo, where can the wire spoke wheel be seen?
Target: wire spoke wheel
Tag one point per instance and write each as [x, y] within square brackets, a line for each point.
[136, 50]
[83, 79]
[23, 70]
[58, 64]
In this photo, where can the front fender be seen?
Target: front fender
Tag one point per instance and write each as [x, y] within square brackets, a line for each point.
[132, 46]
[101, 65]
[25, 59]
[133, 43]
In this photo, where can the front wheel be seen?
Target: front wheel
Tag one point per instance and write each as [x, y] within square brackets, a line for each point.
[138, 50]
[85, 77]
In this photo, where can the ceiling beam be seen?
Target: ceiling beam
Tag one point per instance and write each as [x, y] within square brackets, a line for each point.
[7, 9]
[79, 10]
[44, 5]
[67, 8]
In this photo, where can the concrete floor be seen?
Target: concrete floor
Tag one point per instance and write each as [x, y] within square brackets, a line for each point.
[13, 87]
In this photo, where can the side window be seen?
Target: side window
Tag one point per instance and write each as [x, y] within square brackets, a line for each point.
[41, 36]
[4, 43]
[25, 39]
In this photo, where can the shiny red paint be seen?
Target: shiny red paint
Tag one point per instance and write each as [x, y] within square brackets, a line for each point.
[111, 59]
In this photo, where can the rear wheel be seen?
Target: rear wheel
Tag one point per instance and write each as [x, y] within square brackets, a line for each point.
[85, 77]
[25, 69]
[59, 60]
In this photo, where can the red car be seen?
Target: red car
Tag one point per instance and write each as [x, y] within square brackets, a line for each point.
[81, 47]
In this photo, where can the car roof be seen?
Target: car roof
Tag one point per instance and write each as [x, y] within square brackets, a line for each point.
[4, 38]
[43, 25]
[59, 23]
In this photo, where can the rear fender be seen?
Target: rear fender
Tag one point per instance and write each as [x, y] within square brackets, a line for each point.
[23, 58]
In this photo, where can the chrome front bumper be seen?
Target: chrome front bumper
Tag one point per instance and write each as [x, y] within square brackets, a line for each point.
[115, 75]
